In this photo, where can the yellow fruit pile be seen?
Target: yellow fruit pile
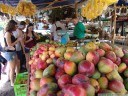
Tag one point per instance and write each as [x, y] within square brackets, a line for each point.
[26, 8]
[94, 8]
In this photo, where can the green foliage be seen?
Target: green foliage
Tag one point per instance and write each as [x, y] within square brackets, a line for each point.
[62, 13]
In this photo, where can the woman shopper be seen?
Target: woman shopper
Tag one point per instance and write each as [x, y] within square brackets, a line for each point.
[30, 38]
[10, 55]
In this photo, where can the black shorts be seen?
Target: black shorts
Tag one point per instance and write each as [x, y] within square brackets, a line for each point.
[27, 50]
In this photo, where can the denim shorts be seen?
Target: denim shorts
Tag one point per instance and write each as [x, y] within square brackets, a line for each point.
[9, 56]
[27, 50]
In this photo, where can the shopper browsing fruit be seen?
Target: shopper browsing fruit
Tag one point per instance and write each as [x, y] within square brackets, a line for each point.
[79, 30]
[10, 55]
[30, 41]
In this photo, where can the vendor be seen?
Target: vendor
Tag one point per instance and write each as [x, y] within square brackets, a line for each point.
[79, 30]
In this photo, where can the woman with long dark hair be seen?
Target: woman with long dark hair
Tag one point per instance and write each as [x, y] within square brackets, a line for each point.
[10, 55]
[29, 41]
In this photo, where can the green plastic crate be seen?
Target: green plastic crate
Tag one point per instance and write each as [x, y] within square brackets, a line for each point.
[21, 89]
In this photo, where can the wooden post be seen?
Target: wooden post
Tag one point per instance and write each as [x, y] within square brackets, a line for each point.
[114, 25]
[76, 8]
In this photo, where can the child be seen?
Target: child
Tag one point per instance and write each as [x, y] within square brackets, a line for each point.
[64, 36]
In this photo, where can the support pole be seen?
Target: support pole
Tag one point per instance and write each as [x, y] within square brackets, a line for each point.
[76, 8]
[114, 25]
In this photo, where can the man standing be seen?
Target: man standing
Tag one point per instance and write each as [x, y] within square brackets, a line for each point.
[79, 30]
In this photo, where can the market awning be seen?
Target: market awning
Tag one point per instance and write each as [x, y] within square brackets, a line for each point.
[122, 2]
[43, 3]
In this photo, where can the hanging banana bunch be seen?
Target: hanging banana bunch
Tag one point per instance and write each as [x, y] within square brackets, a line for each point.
[94, 8]
[11, 10]
[4, 8]
[26, 8]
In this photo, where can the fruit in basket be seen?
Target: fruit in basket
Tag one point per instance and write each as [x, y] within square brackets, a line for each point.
[38, 73]
[111, 55]
[83, 50]
[68, 55]
[49, 61]
[70, 68]
[59, 52]
[91, 46]
[50, 52]
[86, 67]
[125, 58]
[43, 57]
[41, 64]
[126, 84]
[43, 90]
[101, 52]
[105, 46]
[77, 57]
[48, 90]
[95, 84]
[118, 61]
[90, 90]
[105, 66]
[79, 79]
[35, 84]
[125, 51]
[64, 80]
[103, 82]
[126, 72]
[107, 92]
[60, 93]
[114, 75]
[117, 86]
[122, 67]
[59, 73]
[118, 51]
[75, 90]
[45, 80]
[50, 70]
[93, 57]
[96, 75]
[70, 49]
[60, 62]
[52, 48]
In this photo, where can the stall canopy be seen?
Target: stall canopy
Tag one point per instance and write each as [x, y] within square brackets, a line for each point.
[122, 2]
[43, 3]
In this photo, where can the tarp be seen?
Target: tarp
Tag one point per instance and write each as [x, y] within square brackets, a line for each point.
[122, 2]
[43, 3]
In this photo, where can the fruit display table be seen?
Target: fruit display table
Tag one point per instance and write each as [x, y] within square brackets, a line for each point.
[93, 69]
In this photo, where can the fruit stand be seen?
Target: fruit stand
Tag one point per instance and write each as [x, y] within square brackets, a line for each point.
[93, 69]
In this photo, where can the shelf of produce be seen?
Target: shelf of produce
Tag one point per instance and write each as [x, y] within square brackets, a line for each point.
[91, 63]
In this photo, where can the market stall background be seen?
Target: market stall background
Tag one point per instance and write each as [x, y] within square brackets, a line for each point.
[43, 3]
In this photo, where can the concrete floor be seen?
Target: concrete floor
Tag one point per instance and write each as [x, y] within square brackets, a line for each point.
[5, 88]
